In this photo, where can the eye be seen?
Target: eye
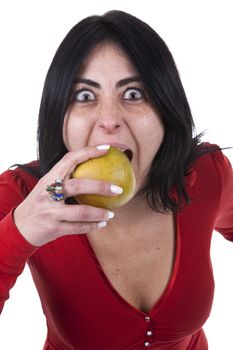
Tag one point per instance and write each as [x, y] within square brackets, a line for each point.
[84, 96]
[133, 94]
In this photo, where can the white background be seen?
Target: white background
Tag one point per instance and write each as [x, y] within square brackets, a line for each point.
[199, 34]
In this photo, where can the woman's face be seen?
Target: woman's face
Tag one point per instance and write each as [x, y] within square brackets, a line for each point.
[110, 106]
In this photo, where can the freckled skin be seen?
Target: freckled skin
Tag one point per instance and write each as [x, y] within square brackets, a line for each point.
[112, 113]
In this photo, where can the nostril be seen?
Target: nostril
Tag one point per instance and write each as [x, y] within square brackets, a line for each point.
[109, 127]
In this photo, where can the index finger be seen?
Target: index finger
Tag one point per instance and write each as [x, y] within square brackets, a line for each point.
[70, 160]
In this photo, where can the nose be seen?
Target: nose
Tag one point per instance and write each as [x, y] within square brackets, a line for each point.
[109, 121]
[109, 127]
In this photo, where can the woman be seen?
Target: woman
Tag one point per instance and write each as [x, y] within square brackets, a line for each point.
[139, 277]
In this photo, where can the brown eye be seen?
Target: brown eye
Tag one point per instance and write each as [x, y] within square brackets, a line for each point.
[84, 96]
[133, 94]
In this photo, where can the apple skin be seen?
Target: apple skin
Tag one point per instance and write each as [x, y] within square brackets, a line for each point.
[113, 167]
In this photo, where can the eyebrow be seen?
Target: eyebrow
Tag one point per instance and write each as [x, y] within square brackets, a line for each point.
[119, 84]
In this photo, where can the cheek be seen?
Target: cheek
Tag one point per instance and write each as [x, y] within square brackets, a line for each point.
[74, 132]
[152, 135]
[152, 129]
[64, 130]
[157, 136]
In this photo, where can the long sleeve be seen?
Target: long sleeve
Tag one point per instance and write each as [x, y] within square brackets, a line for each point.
[14, 249]
[224, 221]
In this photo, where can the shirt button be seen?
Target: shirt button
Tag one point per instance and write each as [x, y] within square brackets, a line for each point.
[147, 344]
[149, 333]
[147, 318]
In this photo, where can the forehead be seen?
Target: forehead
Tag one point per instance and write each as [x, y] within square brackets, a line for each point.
[107, 58]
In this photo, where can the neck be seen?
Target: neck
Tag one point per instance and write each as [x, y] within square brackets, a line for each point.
[131, 215]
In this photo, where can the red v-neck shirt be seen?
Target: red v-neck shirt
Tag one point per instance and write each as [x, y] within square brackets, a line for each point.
[82, 308]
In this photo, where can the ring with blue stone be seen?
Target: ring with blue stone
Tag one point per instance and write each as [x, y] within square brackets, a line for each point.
[56, 190]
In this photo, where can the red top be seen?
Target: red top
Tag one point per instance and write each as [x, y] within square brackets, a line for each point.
[82, 308]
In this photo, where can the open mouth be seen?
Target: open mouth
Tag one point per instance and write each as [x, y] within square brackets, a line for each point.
[129, 154]
[123, 148]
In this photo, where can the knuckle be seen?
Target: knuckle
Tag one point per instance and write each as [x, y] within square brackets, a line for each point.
[80, 228]
[41, 186]
[76, 227]
[101, 214]
[68, 156]
[52, 228]
[82, 212]
[74, 186]
[87, 214]
[48, 217]
[86, 228]
[42, 195]
[103, 187]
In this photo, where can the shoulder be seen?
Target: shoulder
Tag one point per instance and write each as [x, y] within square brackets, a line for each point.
[21, 177]
[15, 185]
[212, 167]
[213, 158]
[32, 168]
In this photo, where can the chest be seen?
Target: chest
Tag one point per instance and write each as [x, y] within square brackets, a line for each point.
[76, 296]
[138, 264]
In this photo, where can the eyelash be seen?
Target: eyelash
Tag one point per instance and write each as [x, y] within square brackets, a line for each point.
[76, 92]
[138, 90]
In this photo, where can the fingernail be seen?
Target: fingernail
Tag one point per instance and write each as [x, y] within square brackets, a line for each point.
[102, 147]
[110, 214]
[116, 189]
[102, 224]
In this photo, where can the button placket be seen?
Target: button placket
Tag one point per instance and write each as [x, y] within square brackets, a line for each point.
[147, 344]
[149, 331]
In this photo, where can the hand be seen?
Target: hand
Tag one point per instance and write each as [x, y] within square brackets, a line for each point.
[41, 220]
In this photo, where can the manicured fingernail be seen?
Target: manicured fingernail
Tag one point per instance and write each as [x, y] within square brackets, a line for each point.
[110, 214]
[116, 189]
[102, 224]
[102, 147]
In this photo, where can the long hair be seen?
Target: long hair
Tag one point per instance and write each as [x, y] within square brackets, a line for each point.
[152, 59]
